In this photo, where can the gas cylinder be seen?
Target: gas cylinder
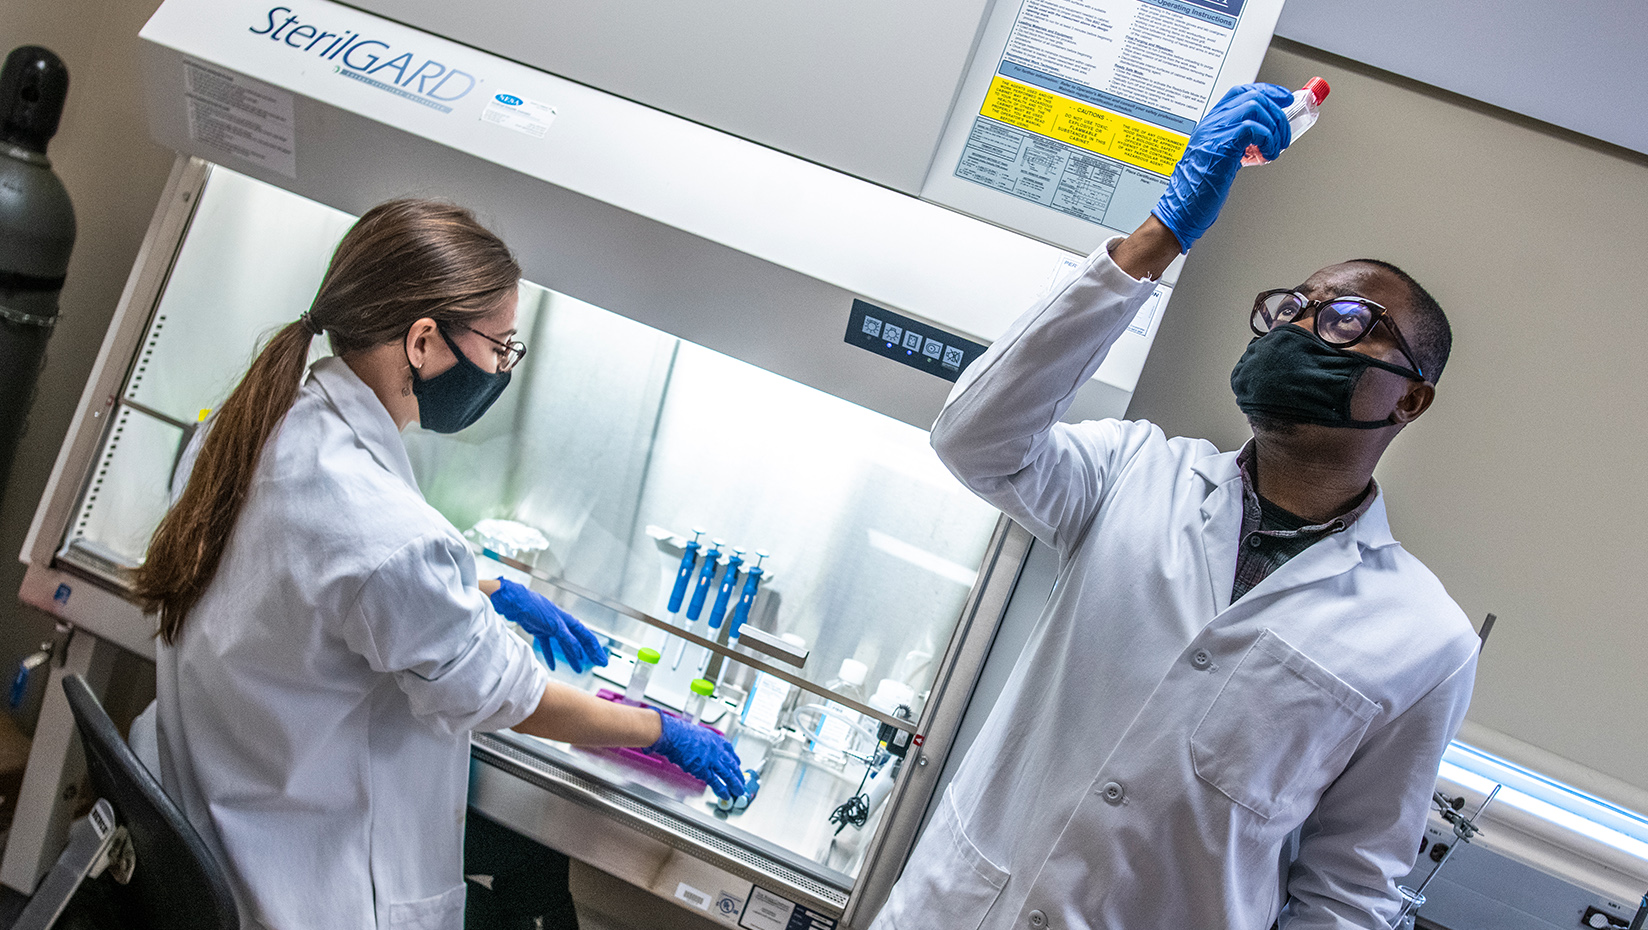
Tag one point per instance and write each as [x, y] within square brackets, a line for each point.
[36, 231]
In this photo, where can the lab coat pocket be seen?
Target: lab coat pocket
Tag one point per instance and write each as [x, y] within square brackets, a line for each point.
[949, 883]
[443, 911]
[1281, 726]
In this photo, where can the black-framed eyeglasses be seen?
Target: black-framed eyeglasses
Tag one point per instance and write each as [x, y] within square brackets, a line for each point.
[511, 352]
[1340, 321]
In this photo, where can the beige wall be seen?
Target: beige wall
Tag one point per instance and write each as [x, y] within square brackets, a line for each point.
[114, 175]
[1522, 487]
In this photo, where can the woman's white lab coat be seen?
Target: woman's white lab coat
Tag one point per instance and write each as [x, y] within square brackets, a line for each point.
[1159, 756]
[314, 717]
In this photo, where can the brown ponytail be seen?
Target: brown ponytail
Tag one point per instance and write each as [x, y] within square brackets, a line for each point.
[402, 261]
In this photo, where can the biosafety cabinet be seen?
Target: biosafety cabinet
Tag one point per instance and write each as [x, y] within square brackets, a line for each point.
[617, 446]
[736, 348]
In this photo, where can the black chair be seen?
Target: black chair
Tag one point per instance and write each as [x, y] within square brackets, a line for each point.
[147, 866]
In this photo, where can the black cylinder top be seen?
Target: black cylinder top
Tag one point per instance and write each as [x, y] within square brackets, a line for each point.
[33, 86]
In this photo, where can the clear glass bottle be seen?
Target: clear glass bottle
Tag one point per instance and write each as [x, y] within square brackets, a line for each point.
[645, 662]
[702, 688]
[1301, 115]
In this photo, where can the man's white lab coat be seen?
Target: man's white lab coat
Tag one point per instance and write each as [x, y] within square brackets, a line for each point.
[1156, 748]
[315, 715]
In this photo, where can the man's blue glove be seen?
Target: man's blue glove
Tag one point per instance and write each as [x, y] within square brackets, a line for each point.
[702, 753]
[1249, 114]
[549, 623]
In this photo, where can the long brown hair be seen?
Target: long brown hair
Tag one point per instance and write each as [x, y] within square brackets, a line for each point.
[402, 261]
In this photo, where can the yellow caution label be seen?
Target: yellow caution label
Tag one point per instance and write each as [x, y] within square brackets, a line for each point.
[1100, 131]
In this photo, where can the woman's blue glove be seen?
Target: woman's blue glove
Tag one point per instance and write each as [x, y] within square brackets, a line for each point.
[702, 753]
[544, 620]
[1249, 114]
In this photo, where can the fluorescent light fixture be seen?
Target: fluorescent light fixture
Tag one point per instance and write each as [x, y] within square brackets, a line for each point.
[1552, 801]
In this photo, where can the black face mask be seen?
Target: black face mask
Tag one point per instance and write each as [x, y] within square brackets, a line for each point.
[458, 396]
[1289, 374]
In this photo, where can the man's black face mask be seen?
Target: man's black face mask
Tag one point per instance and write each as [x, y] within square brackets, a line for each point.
[1291, 375]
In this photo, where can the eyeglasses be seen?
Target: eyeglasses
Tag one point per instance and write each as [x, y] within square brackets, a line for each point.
[1340, 321]
[510, 353]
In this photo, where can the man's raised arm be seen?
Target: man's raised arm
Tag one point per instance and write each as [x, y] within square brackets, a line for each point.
[999, 431]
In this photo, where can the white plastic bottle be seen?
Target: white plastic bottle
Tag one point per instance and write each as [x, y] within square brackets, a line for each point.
[838, 725]
[1301, 115]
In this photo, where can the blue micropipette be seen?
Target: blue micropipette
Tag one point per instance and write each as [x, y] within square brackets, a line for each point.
[683, 575]
[718, 611]
[705, 576]
[741, 613]
[700, 591]
[723, 595]
[689, 558]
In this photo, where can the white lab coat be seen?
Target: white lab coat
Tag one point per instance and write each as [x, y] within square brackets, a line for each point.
[314, 718]
[1160, 758]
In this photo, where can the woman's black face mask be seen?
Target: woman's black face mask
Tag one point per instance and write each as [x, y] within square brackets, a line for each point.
[1290, 374]
[457, 397]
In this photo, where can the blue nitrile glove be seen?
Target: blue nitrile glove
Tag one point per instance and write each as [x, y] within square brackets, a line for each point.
[702, 753]
[544, 620]
[1248, 114]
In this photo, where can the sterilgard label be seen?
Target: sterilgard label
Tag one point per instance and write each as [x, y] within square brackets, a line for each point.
[521, 114]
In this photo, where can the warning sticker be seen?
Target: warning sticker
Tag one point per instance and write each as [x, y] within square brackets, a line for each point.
[1100, 131]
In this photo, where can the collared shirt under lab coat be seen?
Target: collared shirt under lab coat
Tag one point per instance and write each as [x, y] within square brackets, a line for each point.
[314, 718]
[1156, 747]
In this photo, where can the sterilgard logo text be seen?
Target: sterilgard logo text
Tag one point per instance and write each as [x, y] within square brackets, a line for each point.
[406, 74]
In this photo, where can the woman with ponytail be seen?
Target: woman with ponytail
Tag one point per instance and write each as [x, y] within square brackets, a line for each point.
[325, 646]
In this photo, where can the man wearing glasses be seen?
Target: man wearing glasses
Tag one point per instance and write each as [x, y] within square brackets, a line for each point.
[1232, 709]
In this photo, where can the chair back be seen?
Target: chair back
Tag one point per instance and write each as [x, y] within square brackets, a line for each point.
[178, 884]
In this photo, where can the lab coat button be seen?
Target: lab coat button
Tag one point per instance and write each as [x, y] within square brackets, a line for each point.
[1038, 920]
[1201, 658]
[1113, 792]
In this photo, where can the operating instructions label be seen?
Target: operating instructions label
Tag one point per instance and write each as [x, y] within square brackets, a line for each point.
[1091, 102]
[238, 116]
